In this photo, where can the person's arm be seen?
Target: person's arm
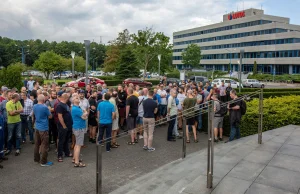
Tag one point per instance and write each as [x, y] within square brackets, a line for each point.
[169, 105]
[10, 110]
[20, 108]
[155, 110]
[61, 120]
[127, 111]
[84, 115]
[49, 114]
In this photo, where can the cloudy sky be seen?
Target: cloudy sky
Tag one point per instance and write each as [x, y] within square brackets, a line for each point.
[76, 20]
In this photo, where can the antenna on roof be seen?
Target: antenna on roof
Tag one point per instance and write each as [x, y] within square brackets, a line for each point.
[243, 5]
[261, 6]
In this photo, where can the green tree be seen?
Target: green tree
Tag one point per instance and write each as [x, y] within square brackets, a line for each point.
[128, 65]
[48, 62]
[11, 76]
[112, 60]
[192, 55]
[79, 64]
[255, 68]
[147, 45]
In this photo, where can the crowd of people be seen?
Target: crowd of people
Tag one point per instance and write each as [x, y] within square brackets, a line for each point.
[56, 115]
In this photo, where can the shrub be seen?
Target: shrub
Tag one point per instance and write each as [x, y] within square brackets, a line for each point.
[108, 77]
[11, 76]
[274, 94]
[113, 82]
[277, 112]
[154, 82]
[39, 79]
[61, 83]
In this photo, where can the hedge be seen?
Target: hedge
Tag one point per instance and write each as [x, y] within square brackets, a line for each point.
[277, 112]
[273, 94]
[270, 89]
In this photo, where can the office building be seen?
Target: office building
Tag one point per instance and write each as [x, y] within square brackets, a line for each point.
[270, 41]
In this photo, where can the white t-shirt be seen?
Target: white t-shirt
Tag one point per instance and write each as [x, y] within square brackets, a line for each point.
[163, 100]
[222, 90]
[84, 104]
[180, 98]
[141, 108]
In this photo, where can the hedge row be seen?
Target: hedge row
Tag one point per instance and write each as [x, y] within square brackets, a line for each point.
[273, 94]
[270, 89]
[277, 112]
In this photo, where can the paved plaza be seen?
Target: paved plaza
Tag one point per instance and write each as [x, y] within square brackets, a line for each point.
[120, 166]
[241, 166]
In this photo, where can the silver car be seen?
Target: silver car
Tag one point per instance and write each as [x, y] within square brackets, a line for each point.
[253, 83]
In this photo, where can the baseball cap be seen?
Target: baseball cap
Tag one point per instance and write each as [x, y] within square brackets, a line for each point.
[81, 91]
[4, 88]
[60, 93]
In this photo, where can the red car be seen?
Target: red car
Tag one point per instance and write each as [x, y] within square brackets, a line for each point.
[137, 81]
[81, 82]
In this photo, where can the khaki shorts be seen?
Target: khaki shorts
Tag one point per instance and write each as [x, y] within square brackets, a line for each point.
[115, 124]
[79, 136]
[218, 122]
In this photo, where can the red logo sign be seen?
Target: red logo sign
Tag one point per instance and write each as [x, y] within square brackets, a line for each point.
[236, 15]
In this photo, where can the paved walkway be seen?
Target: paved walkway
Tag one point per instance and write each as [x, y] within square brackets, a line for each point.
[120, 167]
[241, 166]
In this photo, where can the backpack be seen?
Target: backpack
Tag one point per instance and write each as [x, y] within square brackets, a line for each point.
[243, 107]
[223, 110]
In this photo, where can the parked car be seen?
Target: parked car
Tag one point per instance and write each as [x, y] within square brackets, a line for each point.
[198, 79]
[137, 81]
[173, 80]
[62, 76]
[81, 82]
[234, 84]
[253, 83]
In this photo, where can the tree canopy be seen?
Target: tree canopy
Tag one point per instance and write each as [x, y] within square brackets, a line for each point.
[192, 55]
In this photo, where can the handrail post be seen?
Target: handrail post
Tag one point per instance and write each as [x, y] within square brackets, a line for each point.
[260, 119]
[183, 136]
[210, 147]
[99, 170]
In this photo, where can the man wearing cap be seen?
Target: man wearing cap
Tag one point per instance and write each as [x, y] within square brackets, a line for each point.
[14, 108]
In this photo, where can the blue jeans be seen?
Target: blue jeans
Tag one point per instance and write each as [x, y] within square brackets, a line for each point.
[14, 128]
[199, 127]
[171, 127]
[235, 131]
[107, 128]
[26, 123]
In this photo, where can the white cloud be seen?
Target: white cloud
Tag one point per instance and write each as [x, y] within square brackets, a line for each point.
[76, 20]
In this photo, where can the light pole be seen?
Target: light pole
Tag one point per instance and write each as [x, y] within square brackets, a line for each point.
[240, 69]
[230, 51]
[87, 49]
[73, 56]
[23, 52]
[159, 57]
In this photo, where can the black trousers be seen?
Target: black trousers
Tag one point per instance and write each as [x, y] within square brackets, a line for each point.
[171, 127]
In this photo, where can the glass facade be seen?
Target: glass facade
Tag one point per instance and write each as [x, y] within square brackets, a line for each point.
[231, 36]
[224, 28]
[248, 44]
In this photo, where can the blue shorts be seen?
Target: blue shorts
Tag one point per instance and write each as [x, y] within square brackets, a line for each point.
[163, 110]
[139, 120]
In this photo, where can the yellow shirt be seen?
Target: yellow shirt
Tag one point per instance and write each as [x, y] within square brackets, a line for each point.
[11, 106]
[136, 94]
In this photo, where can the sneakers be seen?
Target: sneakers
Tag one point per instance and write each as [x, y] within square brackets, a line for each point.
[216, 140]
[7, 152]
[47, 164]
[145, 147]
[220, 139]
[141, 137]
[151, 149]
[17, 153]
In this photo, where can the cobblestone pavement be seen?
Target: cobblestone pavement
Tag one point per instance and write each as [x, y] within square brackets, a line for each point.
[122, 165]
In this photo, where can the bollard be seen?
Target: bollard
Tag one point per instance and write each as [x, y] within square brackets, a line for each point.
[99, 170]
[183, 137]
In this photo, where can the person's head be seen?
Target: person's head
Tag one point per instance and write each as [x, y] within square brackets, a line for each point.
[161, 86]
[53, 94]
[107, 96]
[229, 85]
[131, 85]
[15, 97]
[120, 88]
[214, 97]
[57, 88]
[222, 83]
[150, 94]
[24, 95]
[205, 88]
[173, 93]
[129, 91]
[233, 94]
[75, 85]
[9, 94]
[36, 84]
[45, 87]
[39, 92]
[31, 78]
[23, 89]
[170, 85]
[88, 87]
[46, 95]
[141, 93]
[190, 93]
[94, 94]
[104, 86]
[81, 94]
[180, 90]
[114, 94]
[199, 88]
[53, 85]
[76, 100]
[65, 97]
[137, 88]
[155, 91]
[41, 99]
[145, 90]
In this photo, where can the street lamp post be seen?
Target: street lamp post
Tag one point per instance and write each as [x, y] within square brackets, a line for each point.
[230, 51]
[159, 57]
[22, 52]
[73, 56]
[240, 69]
[87, 49]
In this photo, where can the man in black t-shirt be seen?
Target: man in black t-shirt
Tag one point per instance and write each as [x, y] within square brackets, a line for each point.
[64, 125]
[132, 105]
[150, 109]
[92, 117]
[121, 103]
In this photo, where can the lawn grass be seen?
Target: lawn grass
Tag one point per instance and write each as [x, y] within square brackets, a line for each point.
[46, 81]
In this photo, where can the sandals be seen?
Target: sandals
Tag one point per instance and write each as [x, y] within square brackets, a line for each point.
[114, 146]
[73, 160]
[136, 141]
[196, 140]
[70, 155]
[79, 165]
[117, 144]
[130, 143]
[188, 141]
